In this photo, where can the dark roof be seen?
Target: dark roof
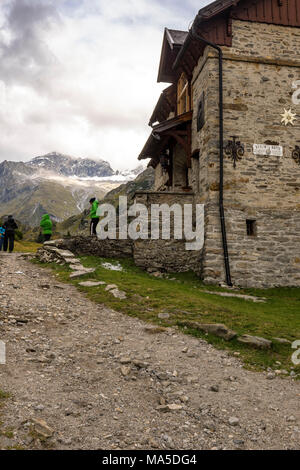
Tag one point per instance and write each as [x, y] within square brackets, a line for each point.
[215, 8]
[213, 22]
[176, 37]
[172, 43]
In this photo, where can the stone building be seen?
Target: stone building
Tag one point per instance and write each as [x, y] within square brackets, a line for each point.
[226, 134]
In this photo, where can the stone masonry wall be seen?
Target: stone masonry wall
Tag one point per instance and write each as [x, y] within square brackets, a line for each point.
[258, 74]
[82, 245]
[168, 255]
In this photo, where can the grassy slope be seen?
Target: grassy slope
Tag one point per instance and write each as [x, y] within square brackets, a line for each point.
[143, 182]
[185, 300]
[26, 247]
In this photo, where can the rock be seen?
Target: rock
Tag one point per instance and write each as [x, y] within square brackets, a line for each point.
[163, 316]
[214, 388]
[153, 443]
[140, 364]
[125, 360]
[76, 267]
[239, 296]
[255, 342]
[118, 294]
[238, 442]
[39, 407]
[233, 421]
[291, 419]
[171, 407]
[282, 341]
[157, 274]
[125, 371]
[111, 287]
[41, 428]
[217, 329]
[92, 284]
[271, 376]
[82, 272]
[153, 330]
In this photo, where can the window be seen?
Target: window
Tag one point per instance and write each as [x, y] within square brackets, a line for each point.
[183, 95]
[251, 228]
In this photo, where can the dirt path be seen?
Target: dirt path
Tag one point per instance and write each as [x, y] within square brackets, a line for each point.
[64, 360]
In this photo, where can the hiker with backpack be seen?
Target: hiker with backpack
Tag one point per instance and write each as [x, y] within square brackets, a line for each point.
[93, 215]
[46, 225]
[10, 227]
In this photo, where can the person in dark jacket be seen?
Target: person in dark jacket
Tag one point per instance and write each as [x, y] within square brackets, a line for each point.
[2, 235]
[10, 227]
[93, 215]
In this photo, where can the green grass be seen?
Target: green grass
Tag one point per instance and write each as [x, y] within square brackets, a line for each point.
[4, 395]
[185, 300]
[26, 246]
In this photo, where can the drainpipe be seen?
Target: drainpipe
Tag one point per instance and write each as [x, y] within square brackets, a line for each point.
[221, 149]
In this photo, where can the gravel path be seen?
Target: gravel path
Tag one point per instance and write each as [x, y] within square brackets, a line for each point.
[70, 363]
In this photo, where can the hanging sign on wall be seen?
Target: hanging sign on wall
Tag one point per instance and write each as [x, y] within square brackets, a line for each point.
[272, 150]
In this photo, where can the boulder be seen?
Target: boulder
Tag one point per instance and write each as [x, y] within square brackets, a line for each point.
[41, 428]
[163, 316]
[216, 329]
[82, 272]
[118, 294]
[91, 284]
[282, 341]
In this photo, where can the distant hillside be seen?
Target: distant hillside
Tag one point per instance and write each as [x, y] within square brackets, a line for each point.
[54, 183]
[80, 223]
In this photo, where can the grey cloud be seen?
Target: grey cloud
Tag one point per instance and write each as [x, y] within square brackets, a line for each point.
[30, 15]
[25, 56]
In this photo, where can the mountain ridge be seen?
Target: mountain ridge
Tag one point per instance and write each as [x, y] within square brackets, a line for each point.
[55, 183]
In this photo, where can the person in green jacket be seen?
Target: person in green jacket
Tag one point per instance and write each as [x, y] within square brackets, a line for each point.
[46, 225]
[93, 215]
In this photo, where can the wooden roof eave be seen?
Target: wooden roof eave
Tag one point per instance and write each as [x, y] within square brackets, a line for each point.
[164, 106]
[155, 144]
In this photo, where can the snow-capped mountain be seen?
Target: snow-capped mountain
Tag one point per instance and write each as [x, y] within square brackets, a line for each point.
[65, 165]
[58, 184]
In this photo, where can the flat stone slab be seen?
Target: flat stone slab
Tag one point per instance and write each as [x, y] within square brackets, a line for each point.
[217, 329]
[255, 342]
[82, 273]
[76, 267]
[112, 267]
[111, 287]
[65, 253]
[53, 242]
[118, 294]
[282, 340]
[238, 296]
[92, 284]
[74, 261]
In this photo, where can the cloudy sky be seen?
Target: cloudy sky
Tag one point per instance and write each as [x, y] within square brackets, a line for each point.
[79, 76]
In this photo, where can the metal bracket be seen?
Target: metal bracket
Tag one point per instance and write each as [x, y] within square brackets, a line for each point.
[234, 150]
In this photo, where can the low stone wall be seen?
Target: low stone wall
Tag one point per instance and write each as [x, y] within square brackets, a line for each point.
[152, 255]
[81, 245]
[166, 255]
